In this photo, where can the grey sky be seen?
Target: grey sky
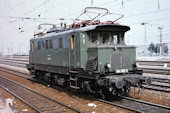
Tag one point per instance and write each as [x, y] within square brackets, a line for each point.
[15, 32]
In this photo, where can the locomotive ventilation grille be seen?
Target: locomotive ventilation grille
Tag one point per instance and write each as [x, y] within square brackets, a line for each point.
[91, 63]
[120, 59]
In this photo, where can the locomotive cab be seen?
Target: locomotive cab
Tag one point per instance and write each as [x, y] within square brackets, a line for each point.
[106, 43]
[109, 60]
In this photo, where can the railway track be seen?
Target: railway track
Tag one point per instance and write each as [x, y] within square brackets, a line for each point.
[159, 84]
[153, 87]
[15, 59]
[127, 103]
[136, 105]
[16, 63]
[155, 70]
[161, 80]
[154, 63]
[156, 67]
[157, 87]
[35, 100]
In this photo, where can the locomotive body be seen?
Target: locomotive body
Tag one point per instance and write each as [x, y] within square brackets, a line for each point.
[93, 59]
[90, 56]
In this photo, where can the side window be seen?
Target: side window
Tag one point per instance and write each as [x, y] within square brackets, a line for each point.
[55, 43]
[65, 42]
[51, 44]
[46, 44]
[32, 46]
[39, 45]
[72, 42]
[42, 44]
[60, 43]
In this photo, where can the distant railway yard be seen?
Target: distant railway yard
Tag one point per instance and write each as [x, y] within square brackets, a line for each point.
[30, 95]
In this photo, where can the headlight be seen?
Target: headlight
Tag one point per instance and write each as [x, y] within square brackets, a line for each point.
[109, 65]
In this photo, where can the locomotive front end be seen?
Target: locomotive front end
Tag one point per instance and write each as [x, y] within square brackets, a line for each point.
[115, 61]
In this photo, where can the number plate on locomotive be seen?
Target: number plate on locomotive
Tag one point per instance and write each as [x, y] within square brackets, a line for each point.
[121, 70]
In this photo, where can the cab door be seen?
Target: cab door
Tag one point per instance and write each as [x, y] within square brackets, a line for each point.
[72, 53]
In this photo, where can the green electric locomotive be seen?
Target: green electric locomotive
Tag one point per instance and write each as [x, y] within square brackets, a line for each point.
[89, 56]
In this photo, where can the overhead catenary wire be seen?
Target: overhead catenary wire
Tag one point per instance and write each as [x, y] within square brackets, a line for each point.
[31, 18]
[150, 12]
[35, 8]
[114, 2]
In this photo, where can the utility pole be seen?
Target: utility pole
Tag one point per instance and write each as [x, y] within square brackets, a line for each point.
[160, 29]
[145, 32]
[3, 43]
[91, 2]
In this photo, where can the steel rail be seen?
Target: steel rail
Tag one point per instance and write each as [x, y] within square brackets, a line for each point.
[157, 61]
[160, 85]
[144, 102]
[158, 78]
[20, 99]
[162, 89]
[74, 109]
[161, 80]
[15, 65]
[28, 77]
[14, 61]
[9, 62]
[17, 73]
[119, 105]
[151, 68]
[157, 89]
[167, 80]
[133, 105]
[156, 71]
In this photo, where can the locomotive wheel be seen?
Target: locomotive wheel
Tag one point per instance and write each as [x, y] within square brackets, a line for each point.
[47, 78]
[101, 94]
[126, 90]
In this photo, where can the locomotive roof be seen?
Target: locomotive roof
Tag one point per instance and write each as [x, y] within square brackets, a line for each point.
[103, 27]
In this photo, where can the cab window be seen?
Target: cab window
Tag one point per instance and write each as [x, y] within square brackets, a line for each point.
[46, 44]
[51, 44]
[115, 39]
[122, 38]
[105, 37]
[39, 45]
[60, 43]
[42, 44]
[93, 37]
[118, 38]
[110, 37]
